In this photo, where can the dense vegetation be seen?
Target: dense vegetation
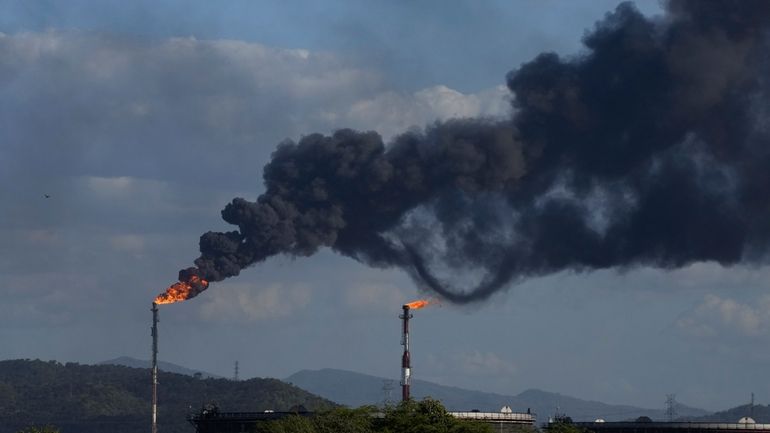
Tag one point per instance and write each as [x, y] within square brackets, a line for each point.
[426, 416]
[108, 398]
[565, 425]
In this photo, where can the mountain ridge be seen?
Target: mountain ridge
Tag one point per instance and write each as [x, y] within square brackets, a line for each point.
[759, 413]
[127, 361]
[356, 389]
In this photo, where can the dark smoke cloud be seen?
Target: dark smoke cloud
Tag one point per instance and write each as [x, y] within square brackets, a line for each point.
[648, 148]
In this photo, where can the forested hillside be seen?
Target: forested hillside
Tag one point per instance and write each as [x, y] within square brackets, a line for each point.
[759, 413]
[108, 398]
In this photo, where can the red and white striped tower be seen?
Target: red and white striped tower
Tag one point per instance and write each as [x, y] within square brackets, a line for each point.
[154, 367]
[406, 365]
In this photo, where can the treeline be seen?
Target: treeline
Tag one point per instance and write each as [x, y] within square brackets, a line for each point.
[426, 416]
[78, 398]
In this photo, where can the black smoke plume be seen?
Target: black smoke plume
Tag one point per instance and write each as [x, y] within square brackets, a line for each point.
[650, 147]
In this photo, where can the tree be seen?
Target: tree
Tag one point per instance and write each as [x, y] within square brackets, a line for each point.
[427, 416]
[565, 427]
[290, 424]
[343, 420]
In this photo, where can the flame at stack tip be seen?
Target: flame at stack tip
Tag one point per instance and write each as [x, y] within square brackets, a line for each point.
[182, 290]
[421, 303]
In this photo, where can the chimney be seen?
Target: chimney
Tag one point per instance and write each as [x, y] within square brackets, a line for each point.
[154, 367]
[406, 365]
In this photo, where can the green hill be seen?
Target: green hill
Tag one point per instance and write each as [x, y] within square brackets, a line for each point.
[759, 413]
[109, 398]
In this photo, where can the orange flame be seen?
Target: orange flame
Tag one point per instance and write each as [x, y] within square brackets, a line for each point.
[416, 305]
[182, 290]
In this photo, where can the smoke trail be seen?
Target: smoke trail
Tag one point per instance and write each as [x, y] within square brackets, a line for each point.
[648, 148]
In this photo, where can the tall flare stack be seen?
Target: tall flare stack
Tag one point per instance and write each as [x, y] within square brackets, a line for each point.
[406, 364]
[154, 367]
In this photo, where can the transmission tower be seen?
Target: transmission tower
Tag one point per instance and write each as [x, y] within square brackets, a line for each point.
[387, 390]
[671, 405]
[235, 372]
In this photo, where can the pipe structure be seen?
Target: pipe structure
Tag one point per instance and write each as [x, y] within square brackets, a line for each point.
[406, 364]
[154, 330]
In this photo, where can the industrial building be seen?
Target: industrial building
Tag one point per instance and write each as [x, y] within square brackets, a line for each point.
[505, 421]
[744, 425]
[211, 420]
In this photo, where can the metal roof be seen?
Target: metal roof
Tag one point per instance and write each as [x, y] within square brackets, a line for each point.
[496, 416]
[675, 425]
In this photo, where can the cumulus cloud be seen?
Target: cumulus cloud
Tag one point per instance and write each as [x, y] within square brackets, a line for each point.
[182, 108]
[391, 113]
[88, 103]
[713, 276]
[718, 316]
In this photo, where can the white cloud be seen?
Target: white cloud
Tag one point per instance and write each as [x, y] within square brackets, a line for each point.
[161, 109]
[110, 185]
[127, 190]
[391, 113]
[181, 108]
[717, 316]
[712, 275]
[240, 302]
[137, 200]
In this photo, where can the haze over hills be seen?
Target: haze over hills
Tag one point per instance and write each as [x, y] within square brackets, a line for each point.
[128, 361]
[356, 389]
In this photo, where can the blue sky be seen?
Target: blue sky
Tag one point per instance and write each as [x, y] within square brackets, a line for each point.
[143, 119]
